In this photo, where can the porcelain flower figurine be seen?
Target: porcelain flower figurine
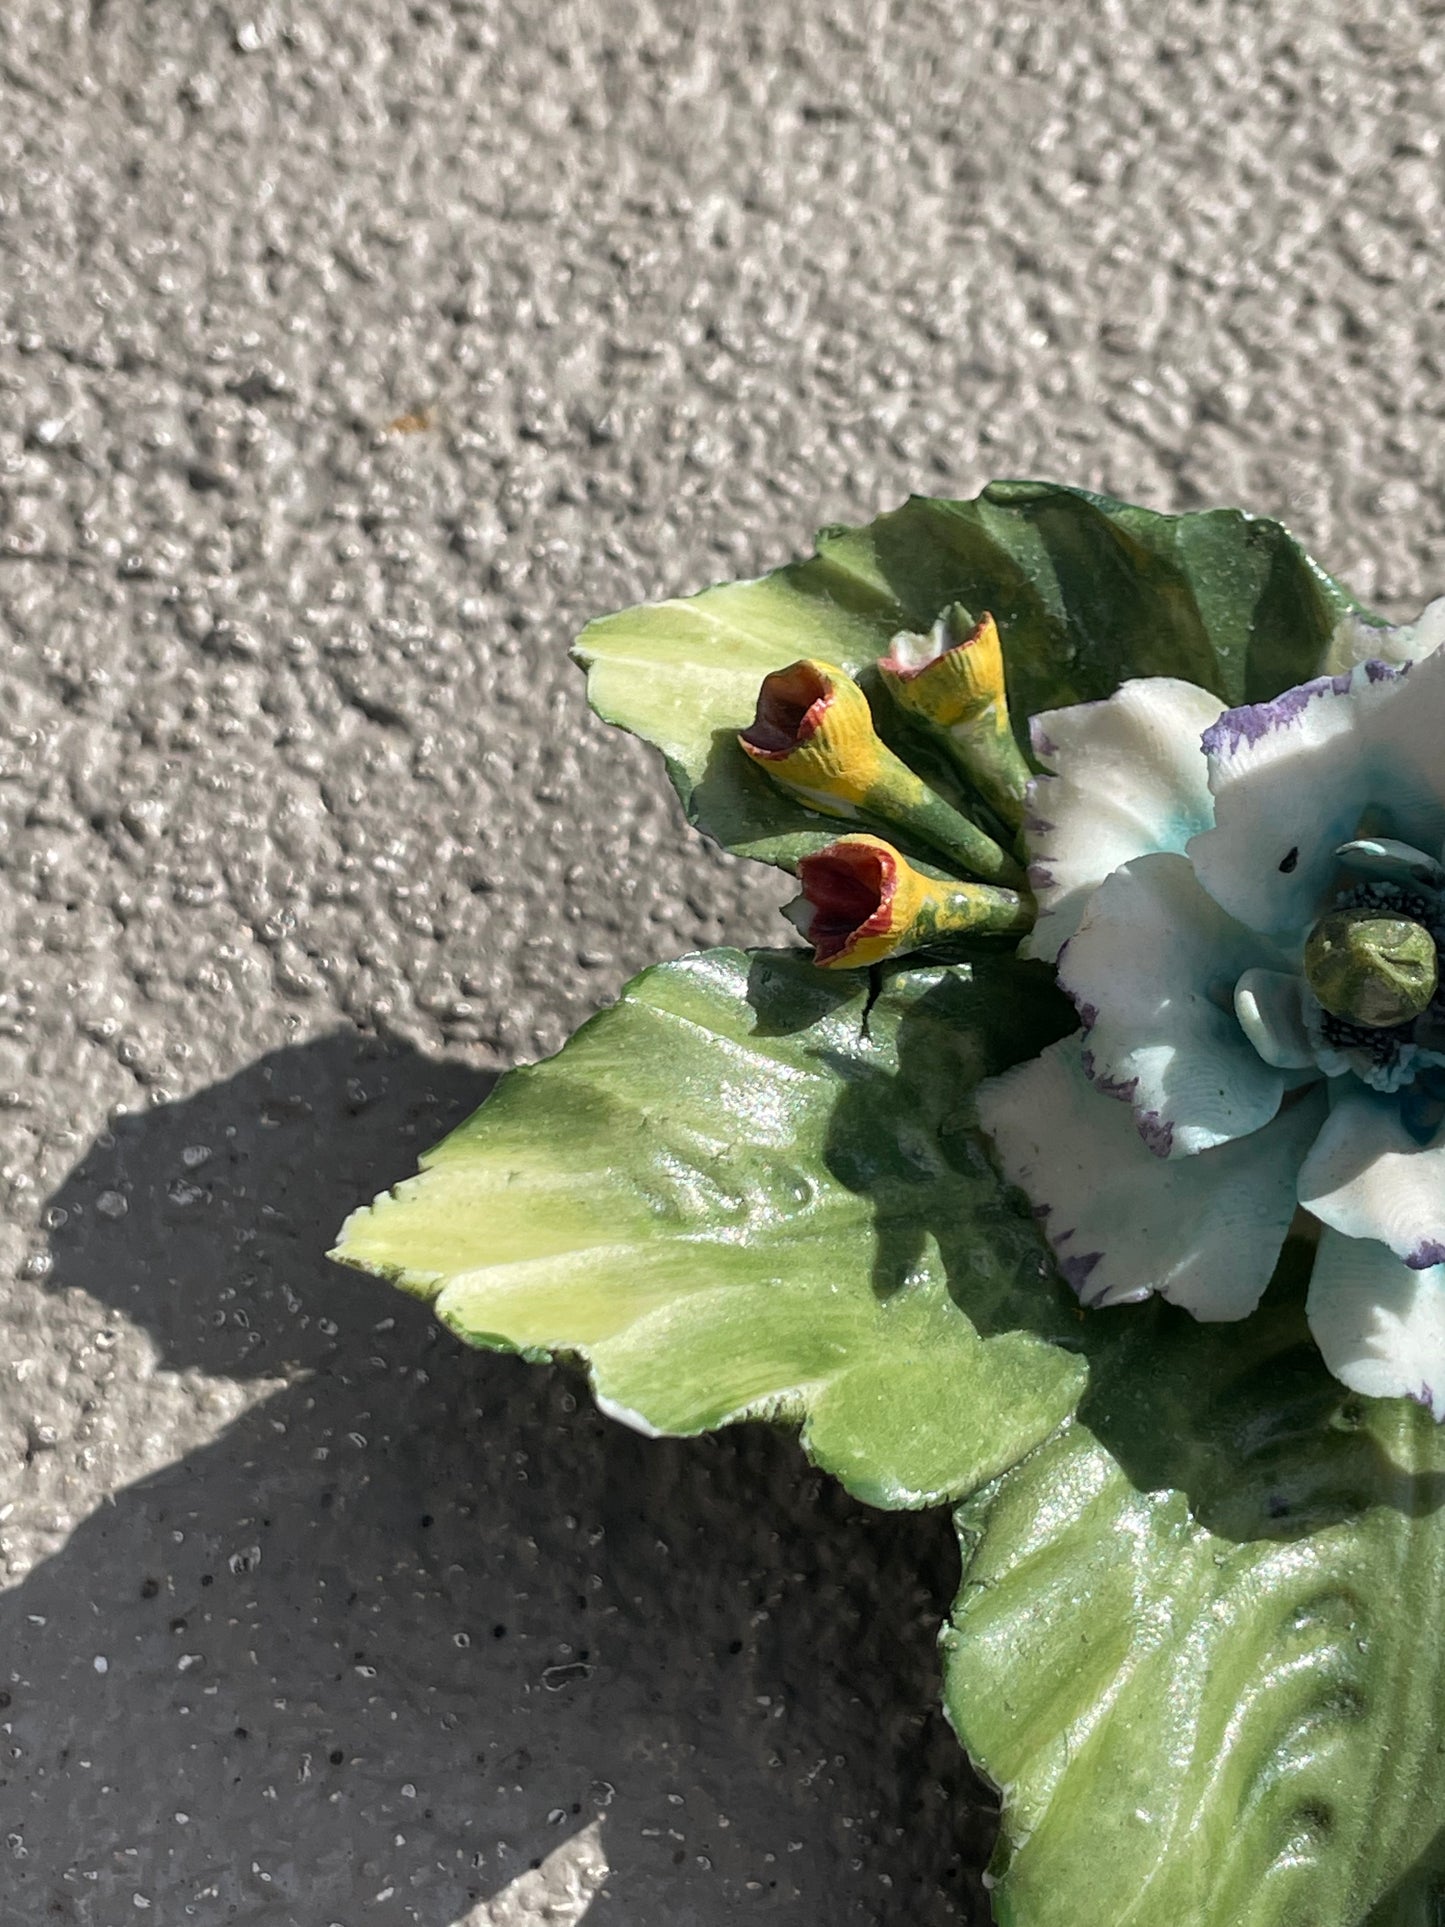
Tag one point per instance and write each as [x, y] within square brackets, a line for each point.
[1246, 906]
[1196, 1641]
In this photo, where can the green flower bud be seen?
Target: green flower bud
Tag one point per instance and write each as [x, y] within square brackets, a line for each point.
[1369, 969]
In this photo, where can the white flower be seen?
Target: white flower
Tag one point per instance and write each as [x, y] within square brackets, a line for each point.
[1247, 908]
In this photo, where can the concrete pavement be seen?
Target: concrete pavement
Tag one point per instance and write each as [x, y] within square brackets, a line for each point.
[351, 356]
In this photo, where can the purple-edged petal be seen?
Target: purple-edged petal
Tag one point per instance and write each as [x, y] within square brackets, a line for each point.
[1406, 726]
[1367, 1177]
[1296, 777]
[1202, 1232]
[1152, 969]
[1355, 640]
[1379, 1325]
[1127, 776]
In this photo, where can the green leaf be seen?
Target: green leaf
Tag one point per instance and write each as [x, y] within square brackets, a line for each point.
[1199, 1641]
[1086, 592]
[735, 1195]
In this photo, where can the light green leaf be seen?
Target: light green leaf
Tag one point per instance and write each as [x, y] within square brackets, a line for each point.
[1200, 1641]
[1086, 592]
[742, 1194]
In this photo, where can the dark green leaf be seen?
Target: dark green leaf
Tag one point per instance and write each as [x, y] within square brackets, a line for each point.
[1199, 1641]
[1086, 591]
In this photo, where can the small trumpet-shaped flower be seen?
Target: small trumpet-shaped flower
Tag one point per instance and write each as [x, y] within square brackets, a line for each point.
[951, 681]
[1247, 907]
[814, 736]
[861, 902]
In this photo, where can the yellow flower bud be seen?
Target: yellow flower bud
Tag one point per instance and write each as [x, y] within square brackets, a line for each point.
[814, 736]
[951, 681]
[952, 675]
[861, 902]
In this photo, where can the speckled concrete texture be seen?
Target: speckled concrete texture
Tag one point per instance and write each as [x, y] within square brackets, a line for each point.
[351, 355]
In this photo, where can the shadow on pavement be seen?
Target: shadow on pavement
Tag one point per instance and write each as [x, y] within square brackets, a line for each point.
[420, 1613]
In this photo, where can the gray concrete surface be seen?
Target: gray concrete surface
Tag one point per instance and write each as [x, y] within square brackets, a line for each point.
[350, 356]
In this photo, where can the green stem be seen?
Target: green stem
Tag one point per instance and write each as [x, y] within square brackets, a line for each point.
[978, 909]
[900, 800]
[992, 761]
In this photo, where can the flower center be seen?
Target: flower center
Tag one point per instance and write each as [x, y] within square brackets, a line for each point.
[1371, 969]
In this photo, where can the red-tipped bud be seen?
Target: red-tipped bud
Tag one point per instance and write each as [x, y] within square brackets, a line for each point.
[861, 902]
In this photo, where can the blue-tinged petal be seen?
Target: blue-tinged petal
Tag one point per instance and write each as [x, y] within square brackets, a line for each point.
[1383, 859]
[1369, 1177]
[1202, 1232]
[1152, 969]
[1295, 778]
[1270, 1007]
[1379, 1325]
[1127, 775]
